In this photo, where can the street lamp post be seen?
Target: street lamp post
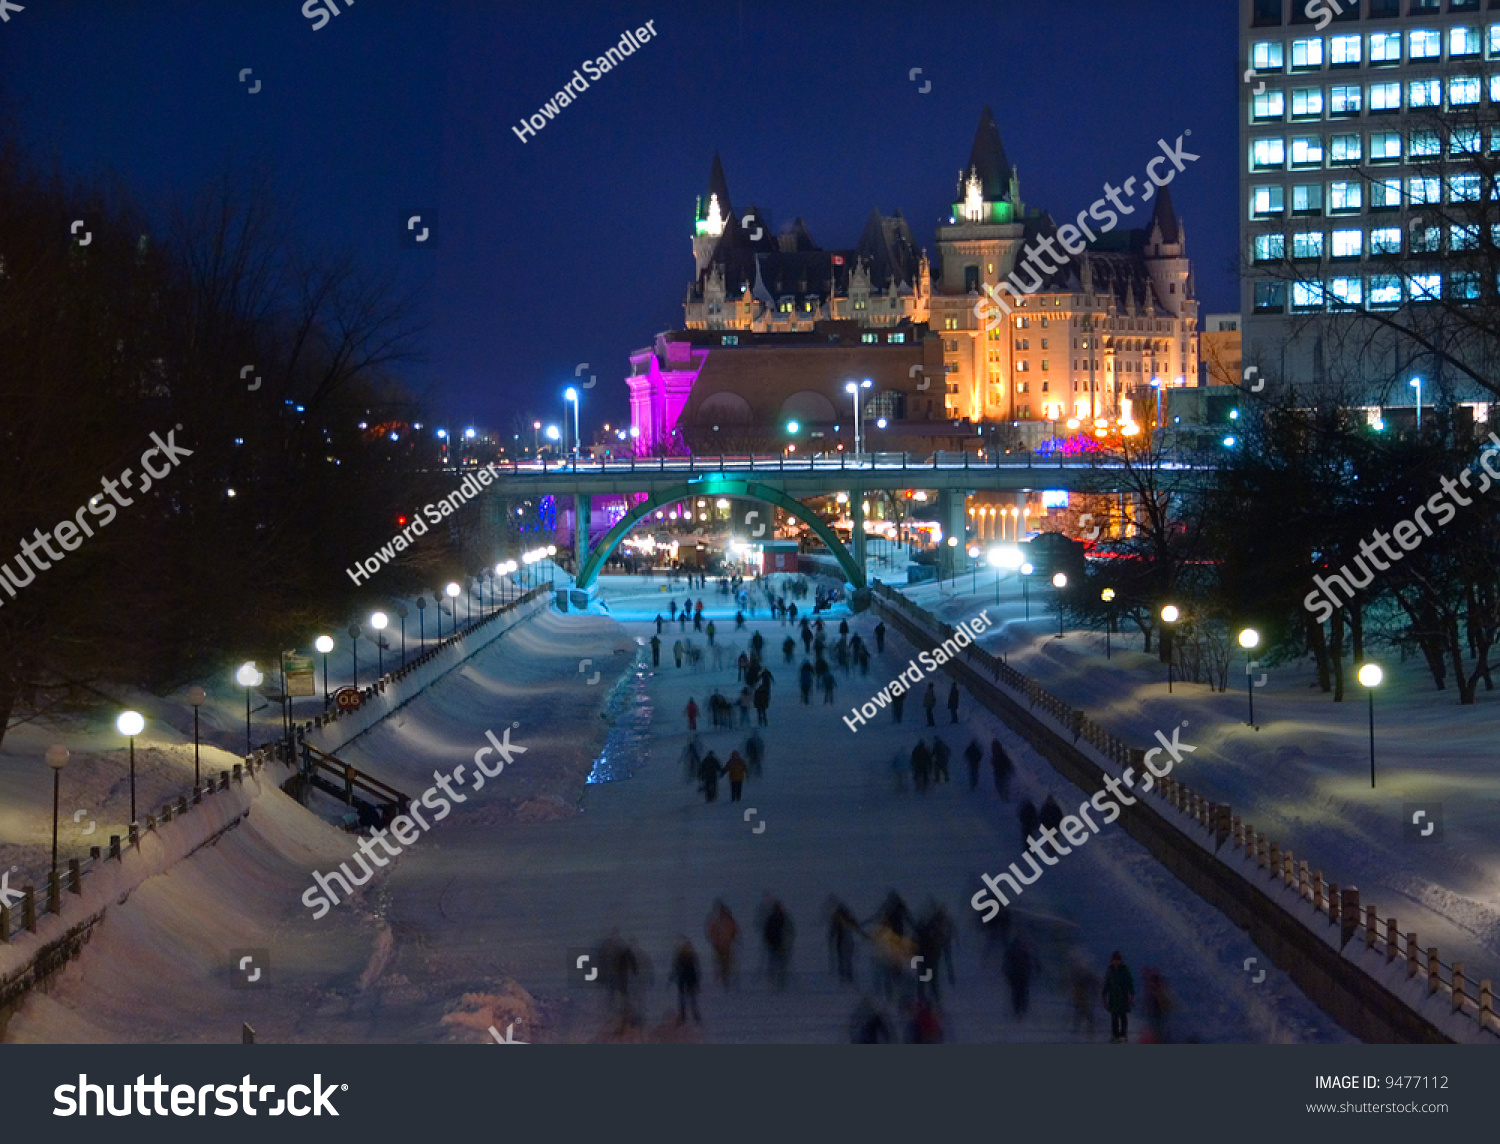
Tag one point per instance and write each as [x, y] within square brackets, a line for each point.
[1370, 676]
[401, 615]
[1249, 640]
[130, 724]
[452, 591]
[1416, 383]
[853, 389]
[1169, 616]
[247, 677]
[1108, 596]
[1060, 581]
[1026, 570]
[571, 394]
[197, 697]
[354, 632]
[422, 621]
[378, 621]
[325, 645]
[57, 759]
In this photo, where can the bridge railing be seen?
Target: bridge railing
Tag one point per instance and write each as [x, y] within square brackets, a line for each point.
[841, 462]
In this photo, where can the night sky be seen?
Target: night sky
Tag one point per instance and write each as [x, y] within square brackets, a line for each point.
[575, 246]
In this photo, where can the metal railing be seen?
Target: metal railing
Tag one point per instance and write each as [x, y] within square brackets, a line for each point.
[841, 462]
[26, 913]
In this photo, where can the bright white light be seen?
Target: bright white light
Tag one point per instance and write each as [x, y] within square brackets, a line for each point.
[131, 723]
[1004, 557]
[880, 422]
[1249, 638]
[570, 393]
[379, 620]
[443, 433]
[552, 433]
[452, 590]
[1370, 675]
[324, 644]
[973, 551]
[1060, 580]
[1229, 442]
[248, 675]
[551, 550]
[1170, 613]
[231, 492]
[841, 498]
[469, 433]
[1027, 568]
[721, 503]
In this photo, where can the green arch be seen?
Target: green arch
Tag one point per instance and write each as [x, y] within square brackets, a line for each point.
[720, 486]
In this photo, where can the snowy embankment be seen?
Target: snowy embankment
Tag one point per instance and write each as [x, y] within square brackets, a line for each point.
[1304, 776]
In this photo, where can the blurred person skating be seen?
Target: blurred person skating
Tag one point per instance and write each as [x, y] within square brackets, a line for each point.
[685, 976]
[708, 775]
[788, 649]
[1157, 1008]
[691, 711]
[973, 755]
[940, 755]
[868, 1025]
[880, 636]
[1119, 997]
[953, 702]
[755, 753]
[828, 689]
[722, 932]
[925, 1021]
[1019, 964]
[843, 927]
[777, 932]
[935, 946]
[929, 703]
[921, 766]
[736, 769]
[1002, 766]
[692, 759]
[805, 680]
[1029, 819]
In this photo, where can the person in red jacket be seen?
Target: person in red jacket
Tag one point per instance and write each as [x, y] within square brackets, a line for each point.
[692, 715]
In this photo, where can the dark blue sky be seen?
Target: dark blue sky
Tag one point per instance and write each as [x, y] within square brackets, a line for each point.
[575, 247]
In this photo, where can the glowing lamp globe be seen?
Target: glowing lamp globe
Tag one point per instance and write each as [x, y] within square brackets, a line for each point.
[324, 644]
[1170, 613]
[1249, 638]
[1370, 675]
[132, 723]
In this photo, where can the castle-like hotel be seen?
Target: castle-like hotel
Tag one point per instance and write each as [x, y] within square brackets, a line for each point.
[776, 326]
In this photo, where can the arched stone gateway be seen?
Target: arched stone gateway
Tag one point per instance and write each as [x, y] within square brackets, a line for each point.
[716, 486]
